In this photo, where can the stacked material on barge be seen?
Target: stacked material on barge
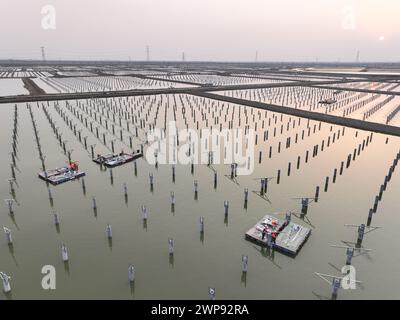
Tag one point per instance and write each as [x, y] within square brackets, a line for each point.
[116, 159]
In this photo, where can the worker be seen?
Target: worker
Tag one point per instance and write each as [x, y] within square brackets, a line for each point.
[74, 166]
[264, 232]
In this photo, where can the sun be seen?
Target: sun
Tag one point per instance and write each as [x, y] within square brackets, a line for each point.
[381, 38]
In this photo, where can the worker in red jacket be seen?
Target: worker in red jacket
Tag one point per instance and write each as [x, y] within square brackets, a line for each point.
[74, 166]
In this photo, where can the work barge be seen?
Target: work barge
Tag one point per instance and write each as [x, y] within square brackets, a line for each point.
[60, 175]
[282, 235]
[113, 159]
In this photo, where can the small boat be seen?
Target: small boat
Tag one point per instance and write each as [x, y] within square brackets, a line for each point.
[63, 174]
[117, 159]
[328, 101]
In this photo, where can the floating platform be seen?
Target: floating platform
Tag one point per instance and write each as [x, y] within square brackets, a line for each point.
[288, 237]
[114, 159]
[60, 175]
[328, 101]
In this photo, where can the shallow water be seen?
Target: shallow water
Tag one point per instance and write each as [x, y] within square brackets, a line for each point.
[98, 269]
[10, 87]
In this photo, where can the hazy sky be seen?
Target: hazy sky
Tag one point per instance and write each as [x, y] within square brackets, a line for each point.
[217, 30]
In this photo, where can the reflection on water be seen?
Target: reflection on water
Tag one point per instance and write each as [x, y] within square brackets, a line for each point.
[99, 271]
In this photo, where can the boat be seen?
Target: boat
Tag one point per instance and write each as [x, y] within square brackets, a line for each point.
[116, 159]
[283, 234]
[63, 174]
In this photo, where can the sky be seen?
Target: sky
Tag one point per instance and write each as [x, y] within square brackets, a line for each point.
[205, 30]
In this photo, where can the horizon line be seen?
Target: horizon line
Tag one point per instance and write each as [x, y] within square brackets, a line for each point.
[199, 61]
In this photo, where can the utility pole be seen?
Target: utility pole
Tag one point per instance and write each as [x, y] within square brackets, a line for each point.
[147, 53]
[43, 54]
